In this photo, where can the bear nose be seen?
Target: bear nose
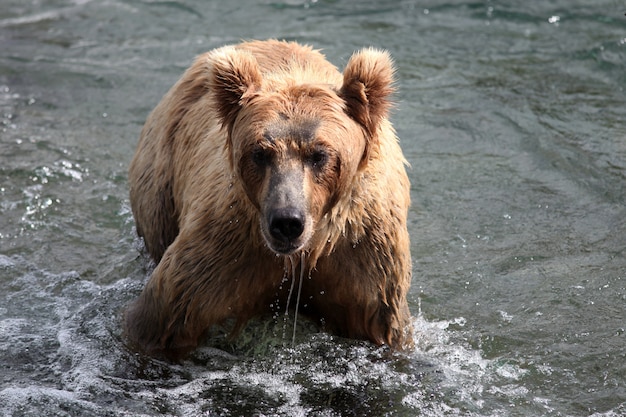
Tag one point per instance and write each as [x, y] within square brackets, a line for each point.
[286, 224]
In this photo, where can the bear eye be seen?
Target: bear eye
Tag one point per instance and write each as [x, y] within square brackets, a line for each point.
[261, 157]
[318, 158]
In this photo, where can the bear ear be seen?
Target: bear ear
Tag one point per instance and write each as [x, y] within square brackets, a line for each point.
[234, 80]
[367, 87]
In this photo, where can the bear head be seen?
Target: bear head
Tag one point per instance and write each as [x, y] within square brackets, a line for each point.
[297, 140]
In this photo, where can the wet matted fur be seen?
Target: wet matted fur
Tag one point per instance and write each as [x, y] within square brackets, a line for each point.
[263, 156]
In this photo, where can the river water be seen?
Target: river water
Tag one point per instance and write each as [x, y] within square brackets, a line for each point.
[512, 117]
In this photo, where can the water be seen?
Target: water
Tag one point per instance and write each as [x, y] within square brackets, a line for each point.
[512, 117]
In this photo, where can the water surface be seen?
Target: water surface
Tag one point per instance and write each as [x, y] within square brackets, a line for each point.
[512, 117]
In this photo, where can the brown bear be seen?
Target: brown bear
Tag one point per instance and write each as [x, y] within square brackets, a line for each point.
[261, 161]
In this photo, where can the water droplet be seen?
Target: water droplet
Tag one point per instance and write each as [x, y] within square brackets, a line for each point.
[554, 19]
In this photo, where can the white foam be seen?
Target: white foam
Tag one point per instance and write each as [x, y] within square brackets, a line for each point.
[468, 378]
[5, 261]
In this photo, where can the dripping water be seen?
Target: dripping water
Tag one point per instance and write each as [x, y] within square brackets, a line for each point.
[295, 318]
[292, 262]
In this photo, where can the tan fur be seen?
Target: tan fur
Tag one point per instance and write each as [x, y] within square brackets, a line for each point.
[248, 133]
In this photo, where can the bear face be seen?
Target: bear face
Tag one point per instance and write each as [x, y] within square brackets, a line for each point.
[297, 147]
[292, 164]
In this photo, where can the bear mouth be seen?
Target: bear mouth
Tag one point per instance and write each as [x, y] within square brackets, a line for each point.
[286, 250]
[284, 247]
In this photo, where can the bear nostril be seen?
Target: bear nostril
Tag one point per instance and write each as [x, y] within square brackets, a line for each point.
[286, 223]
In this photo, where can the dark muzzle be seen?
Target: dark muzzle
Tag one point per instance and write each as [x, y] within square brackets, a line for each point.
[286, 224]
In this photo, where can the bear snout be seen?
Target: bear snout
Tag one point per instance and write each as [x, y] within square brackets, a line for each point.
[286, 227]
[286, 221]
[286, 224]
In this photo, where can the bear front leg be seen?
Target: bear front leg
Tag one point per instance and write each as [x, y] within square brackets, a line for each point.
[182, 299]
[360, 292]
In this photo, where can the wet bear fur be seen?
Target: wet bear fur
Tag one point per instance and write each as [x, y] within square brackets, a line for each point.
[264, 159]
